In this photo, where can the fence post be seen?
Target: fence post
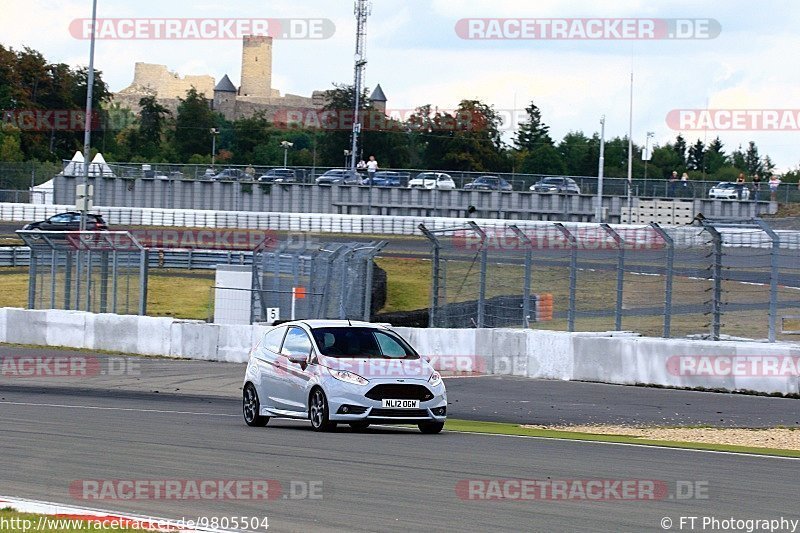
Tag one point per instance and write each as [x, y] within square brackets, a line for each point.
[526, 283]
[484, 263]
[368, 282]
[435, 274]
[773, 276]
[32, 282]
[573, 273]
[144, 266]
[620, 274]
[716, 274]
[669, 277]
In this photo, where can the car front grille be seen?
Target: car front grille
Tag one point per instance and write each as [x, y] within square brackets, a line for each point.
[399, 391]
[399, 413]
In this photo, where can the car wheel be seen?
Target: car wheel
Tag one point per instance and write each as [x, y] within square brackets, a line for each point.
[430, 428]
[251, 407]
[318, 412]
[359, 426]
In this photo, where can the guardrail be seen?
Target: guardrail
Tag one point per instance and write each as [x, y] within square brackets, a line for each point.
[20, 256]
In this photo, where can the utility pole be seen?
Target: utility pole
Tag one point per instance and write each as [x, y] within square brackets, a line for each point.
[87, 133]
[630, 147]
[600, 171]
[363, 9]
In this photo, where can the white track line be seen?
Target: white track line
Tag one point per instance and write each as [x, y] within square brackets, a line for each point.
[63, 406]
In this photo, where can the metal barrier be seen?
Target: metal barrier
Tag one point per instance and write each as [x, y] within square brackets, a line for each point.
[94, 271]
[732, 280]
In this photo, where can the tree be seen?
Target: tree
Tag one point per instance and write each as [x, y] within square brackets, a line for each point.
[576, 154]
[752, 161]
[680, 148]
[738, 160]
[715, 156]
[10, 150]
[534, 132]
[193, 125]
[697, 156]
[544, 160]
[151, 125]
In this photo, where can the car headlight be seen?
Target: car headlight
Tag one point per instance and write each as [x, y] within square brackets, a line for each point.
[435, 379]
[348, 377]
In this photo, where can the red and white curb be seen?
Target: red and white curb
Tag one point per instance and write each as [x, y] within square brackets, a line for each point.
[57, 511]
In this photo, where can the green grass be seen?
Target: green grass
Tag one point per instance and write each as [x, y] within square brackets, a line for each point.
[30, 522]
[499, 428]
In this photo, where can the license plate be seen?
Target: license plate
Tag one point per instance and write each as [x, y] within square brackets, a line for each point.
[401, 404]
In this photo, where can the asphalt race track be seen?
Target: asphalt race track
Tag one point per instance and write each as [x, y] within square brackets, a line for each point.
[57, 433]
[381, 480]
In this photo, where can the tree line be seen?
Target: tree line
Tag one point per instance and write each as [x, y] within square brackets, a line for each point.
[471, 137]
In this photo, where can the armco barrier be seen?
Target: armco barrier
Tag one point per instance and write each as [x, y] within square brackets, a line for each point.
[597, 357]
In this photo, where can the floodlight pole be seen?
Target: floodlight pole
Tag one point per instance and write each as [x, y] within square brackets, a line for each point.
[87, 133]
[362, 11]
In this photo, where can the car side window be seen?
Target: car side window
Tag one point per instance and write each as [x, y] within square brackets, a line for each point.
[389, 346]
[61, 219]
[296, 343]
[273, 339]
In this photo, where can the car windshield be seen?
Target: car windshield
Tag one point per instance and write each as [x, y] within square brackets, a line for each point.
[552, 181]
[726, 185]
[361, 343]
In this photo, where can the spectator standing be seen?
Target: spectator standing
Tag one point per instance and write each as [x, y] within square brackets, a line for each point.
[372, 168]
[774, 182]
[672, 180]
[756, 186]
[740, 185]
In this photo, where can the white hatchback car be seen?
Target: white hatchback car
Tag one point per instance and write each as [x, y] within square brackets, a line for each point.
[725, 190]
[338, 371]
[432, 180]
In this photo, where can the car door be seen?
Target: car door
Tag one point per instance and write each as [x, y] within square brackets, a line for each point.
[296, 343]
[271, 384]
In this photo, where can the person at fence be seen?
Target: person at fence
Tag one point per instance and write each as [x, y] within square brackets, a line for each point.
[362, 165]
[372, 168]
[740, 185]
[774, 182]
[673, 179]
[685, 180]
[250, 171]
[756, 186]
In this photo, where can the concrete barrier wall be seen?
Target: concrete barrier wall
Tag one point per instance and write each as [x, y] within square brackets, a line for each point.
[597, 357]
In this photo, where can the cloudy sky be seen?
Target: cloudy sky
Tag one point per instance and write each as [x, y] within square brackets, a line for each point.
[417, 55]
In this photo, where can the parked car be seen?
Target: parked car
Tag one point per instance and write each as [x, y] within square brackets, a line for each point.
[389, 178]
[340, 176]
[488, 183]
[279, 175]
[559, 185]
[69, 221]
[338, 371]
[432, 180]
[232, 174]
[725, 190]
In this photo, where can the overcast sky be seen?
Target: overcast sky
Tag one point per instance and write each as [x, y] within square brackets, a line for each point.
[416, 54]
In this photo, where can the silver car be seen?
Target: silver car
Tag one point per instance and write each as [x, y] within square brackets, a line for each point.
[338, 371]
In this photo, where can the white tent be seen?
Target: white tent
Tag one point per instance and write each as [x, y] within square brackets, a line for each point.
[99, 167]
[75, 166]
[42, 194]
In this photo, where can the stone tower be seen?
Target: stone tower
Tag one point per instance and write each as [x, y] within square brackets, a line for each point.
[225, 98]
[378, 99]
[257, 66]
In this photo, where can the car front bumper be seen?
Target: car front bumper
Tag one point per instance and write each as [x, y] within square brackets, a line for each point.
[359, 408]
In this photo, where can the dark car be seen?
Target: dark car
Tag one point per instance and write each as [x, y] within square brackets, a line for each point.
[559, 185]
[232, 174]
[340, 176]
[389, 178]
[489, 183]
[70, 221]
[279, 175]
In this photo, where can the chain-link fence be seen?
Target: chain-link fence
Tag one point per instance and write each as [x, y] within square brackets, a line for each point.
[713, 280]
[330, 280]
[100, 272]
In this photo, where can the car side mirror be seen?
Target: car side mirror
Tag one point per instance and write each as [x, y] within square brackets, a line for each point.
[298, 358]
